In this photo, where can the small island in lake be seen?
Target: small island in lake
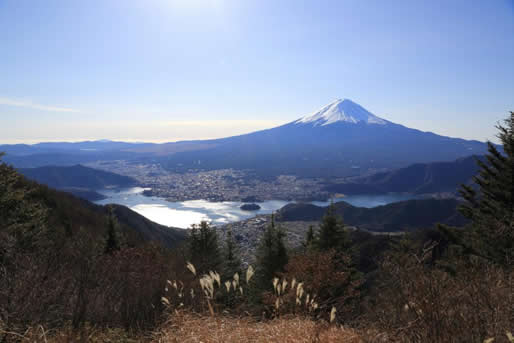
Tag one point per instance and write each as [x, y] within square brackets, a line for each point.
[250, 207]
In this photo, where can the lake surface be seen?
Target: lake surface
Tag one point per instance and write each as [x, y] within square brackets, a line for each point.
[185, 213]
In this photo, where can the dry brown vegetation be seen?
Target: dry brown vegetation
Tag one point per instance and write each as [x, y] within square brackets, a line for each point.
[187, 327]
[327, 278]
[192, 327]
[413, 302]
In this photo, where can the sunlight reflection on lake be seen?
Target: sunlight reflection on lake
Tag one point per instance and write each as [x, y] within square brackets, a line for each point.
[185, 213]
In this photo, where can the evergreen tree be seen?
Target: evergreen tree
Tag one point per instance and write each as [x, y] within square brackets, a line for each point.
[491, 206]
[232, 260]
[332, 234]
[271, 255]
[204, 249]
[112, 242]
[282, 257]
[231, 266]
[310, 239]
[266, 256]
[20, 215]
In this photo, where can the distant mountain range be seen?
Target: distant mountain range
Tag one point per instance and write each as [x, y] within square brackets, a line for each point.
[407, 215]
[341, 139]
[61, 147]
[420, 178]
[78, 180]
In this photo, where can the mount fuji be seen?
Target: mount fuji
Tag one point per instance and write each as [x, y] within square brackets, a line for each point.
[340, 139]
[341, 111]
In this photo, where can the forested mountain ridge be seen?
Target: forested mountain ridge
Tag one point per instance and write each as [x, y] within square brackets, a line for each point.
[421, 178]
[69, 212]
[153, 232]
[78, 180]
[407, 215]
[76, 176]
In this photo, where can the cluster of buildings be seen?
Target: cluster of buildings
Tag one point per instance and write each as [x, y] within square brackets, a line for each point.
[217, 185]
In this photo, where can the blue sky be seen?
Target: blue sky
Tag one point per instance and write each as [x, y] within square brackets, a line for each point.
[165, 70]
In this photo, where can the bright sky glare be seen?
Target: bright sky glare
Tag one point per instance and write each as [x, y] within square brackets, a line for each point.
[166, 70]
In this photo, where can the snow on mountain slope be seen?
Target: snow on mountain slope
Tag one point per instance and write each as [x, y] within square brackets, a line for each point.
[341, 111]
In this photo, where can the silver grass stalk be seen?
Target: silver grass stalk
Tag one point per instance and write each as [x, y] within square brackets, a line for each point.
[191, 268]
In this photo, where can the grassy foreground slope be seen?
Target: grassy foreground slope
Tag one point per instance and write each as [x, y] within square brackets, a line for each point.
[191, 327]
[195, 328]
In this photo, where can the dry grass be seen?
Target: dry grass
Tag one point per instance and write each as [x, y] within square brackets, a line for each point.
[187, 327]
[66, 335]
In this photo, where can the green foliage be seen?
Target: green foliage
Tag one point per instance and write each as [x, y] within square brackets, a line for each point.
[21, 213]
[232, 260]
[308, 244]
[204, 249]
[332, 234]
[491, 206]
[113, 241]
[271, 256]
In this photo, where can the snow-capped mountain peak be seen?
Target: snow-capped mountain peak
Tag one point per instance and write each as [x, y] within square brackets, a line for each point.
[341, 111]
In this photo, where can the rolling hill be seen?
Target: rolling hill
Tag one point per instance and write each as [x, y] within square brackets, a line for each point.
[67, 211]
[400, 216]
[421, 178]
[76, 176]
[78, 180]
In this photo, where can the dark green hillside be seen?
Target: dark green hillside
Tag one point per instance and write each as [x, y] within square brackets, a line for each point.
[65, 211]
[68, 211]
[76, 177]
[84, 193]
[417, 178]
[150, 231]
[65, 261]
[400, 216]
